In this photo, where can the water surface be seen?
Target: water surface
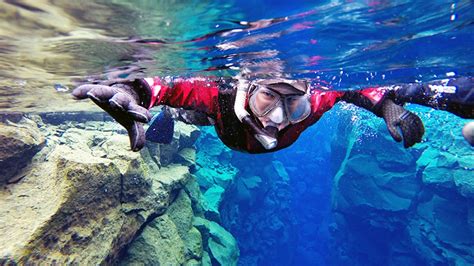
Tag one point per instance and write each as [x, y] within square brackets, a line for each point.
[46, 45]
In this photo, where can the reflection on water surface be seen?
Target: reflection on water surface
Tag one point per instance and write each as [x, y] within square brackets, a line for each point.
[45, 45]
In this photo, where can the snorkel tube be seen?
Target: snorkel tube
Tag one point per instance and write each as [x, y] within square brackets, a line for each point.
[265, 138]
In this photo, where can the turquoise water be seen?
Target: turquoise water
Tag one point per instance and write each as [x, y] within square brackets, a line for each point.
[345, 192]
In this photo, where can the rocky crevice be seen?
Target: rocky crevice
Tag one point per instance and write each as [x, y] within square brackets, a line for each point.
[85, 198]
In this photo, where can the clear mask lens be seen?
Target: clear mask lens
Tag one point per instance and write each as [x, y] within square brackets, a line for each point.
[263, 100]
[298, 108]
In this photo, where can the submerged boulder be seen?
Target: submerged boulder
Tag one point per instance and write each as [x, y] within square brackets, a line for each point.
[67, 210]
[212, 199]
[220, 244]
[18, 144]
[184, 137]
[169, 239]
[158, 244]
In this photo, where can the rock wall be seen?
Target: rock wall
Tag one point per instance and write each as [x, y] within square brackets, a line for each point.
[73, 192]
[396, 206]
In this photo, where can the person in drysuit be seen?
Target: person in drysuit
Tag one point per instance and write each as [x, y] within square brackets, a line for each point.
[269, 114]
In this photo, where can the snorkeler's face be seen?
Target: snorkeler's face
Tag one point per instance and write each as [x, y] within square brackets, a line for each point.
[276, 110]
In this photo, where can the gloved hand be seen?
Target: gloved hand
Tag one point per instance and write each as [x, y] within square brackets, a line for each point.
[410, 124]
[126, 101]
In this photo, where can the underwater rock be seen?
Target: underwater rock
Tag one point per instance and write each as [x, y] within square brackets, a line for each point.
[187, 156]
[221, 245]
[193, 243]
[174, 177]
[279, 170]
[205, 177]
[206, 259]
[188, 134]
[442, 232]
[213, 165]
[420, 198]
[158, 244]
[361, 182]
[184, 137]
[463, 179]
[213, 173]
[437, 171]
[194, 193]
[63, 224]
[194, 263]
[73, 207]
[170, 238]
[213, 198]
[18, 144]
[181, 213]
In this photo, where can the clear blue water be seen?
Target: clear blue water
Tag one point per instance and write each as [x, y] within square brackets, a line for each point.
[343, 44]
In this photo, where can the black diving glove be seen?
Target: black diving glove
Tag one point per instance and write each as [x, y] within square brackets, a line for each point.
[410, 124]
[126, 101]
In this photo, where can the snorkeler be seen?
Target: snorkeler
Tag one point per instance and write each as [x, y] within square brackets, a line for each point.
[267, 115]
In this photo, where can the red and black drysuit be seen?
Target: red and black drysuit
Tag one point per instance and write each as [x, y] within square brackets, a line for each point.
[216, 100]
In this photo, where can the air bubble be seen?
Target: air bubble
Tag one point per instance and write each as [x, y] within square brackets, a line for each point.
[450, 74]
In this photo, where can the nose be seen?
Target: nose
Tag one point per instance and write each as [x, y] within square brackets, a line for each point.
[277, 116]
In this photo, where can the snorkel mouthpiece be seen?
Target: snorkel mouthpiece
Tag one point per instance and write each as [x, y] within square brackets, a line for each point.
[267, 139]
[272, 131]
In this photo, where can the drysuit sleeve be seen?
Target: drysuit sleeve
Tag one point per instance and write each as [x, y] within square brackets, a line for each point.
[401, 123]
[455, 95]
[370, 99]
[198, 94]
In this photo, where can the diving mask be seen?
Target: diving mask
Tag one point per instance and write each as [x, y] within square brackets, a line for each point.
[295, 102]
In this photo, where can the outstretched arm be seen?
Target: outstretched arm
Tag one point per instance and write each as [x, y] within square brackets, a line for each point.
[455, 95]
[198, 94]
[396, 117]
[128, 101]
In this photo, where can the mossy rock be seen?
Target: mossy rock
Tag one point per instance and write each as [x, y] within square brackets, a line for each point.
[181, 213]
[193, 244]
[18, 145]
[220, 243]
[158, 244]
